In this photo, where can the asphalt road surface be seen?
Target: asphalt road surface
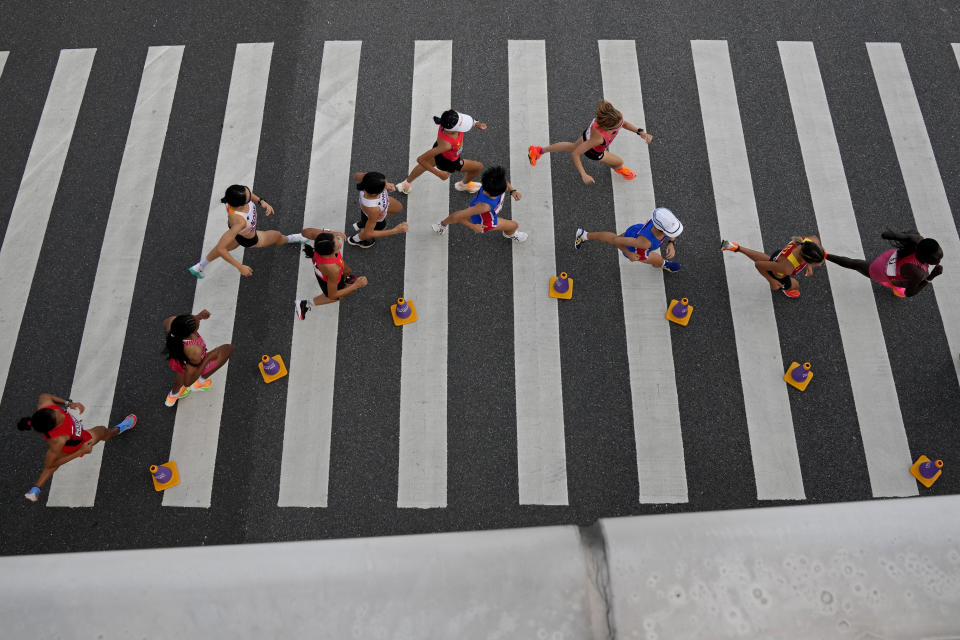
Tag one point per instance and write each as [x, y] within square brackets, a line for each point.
[735, 445]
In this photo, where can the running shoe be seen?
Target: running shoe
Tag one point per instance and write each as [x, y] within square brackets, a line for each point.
[172, 398]
[404, 187]
[201, 386]
[349, 280]
[354, 241]
[726, 245]
[298, 238]
[196, 272]
[534, 153]
[440, 228]
[126, 424]
[302, 308]
[672, 267]
[471, 186]
[33, 495]
[518, 236]
[581, 238]
[791, 293]
[628, 174]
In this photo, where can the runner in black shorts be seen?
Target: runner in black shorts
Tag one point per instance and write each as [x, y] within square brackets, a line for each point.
[328, 266]
[444, 157]
[375, 206]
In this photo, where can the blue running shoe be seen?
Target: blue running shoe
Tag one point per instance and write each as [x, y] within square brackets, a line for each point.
[581, 238]
[672, 267]
[128, 423]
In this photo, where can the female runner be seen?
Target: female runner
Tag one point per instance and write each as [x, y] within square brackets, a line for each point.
[66, 438]
[375, 206]
[242, 230]
[594, 143]
[444, 158]
[905, 269]
[801, 254]
[483, 214]
[189, 358]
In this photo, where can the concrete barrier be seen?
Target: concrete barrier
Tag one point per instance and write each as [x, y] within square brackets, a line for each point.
[867, 571]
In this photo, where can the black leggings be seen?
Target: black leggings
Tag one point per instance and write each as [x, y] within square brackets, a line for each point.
[861, 266]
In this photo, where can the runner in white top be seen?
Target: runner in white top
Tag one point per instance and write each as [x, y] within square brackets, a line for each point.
[241, 205]
[375, 206]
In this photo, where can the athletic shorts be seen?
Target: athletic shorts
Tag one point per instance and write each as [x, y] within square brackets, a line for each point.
[381, 224]
[489, 220]
[784, 280]
[590, 153]
[85, 436]
[176, 366]
[445, 164]
[243, 241]
[323, 283]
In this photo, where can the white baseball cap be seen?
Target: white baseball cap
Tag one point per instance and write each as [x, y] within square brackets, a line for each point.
[465, 123]
[664, 220]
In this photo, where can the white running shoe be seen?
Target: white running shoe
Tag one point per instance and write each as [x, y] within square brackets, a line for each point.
[196, 271]
[581, 238]
[404, 187]
[439, 228]
[472, 187]
[518, 236]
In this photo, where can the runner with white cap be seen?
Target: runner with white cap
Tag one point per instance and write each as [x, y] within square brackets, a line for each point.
[594, 143]
[639, 242]
[444, 158]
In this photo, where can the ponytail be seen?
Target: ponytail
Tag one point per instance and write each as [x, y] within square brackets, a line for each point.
[42, 421]
[180, 328]
[24, 424]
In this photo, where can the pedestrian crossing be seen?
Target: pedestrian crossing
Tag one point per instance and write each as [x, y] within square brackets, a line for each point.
[541, 368]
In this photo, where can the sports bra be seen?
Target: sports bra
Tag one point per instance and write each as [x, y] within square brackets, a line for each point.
[382, 202]
[608, 136]
[319, 260]
[250, 217]
[787, 252]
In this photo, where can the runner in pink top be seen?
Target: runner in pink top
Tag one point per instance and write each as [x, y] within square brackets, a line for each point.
[905, 269]
[189, 357]
[595, 142]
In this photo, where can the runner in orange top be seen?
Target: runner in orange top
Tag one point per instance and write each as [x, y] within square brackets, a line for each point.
[779, 268]
[66, 438]
[444, 157]
[595, 142]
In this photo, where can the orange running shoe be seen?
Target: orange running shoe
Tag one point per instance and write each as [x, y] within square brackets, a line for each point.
[791, 293]
[628, 174]
[534, 153]
[729, 245]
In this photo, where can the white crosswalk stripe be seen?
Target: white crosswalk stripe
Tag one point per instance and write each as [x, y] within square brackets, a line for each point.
[75, 485]
[38, 188]
[541, 456]
[305, 466]
[423, 372]
[543, 461]
[653, 384]
[874, 392]
[197, 427]
[772, 442]
[921, 176]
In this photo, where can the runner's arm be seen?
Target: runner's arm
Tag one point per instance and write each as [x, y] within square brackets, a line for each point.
[915, 281]
[426, 161]
[594, 140]
[229, 236]
[637, 130]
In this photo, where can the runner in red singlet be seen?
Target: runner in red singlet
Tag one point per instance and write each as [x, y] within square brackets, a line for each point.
[189, 358]
[333, 275]
[779, 268]
[595, 142]
[905, 269]
[66, 438]
[444, 158]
